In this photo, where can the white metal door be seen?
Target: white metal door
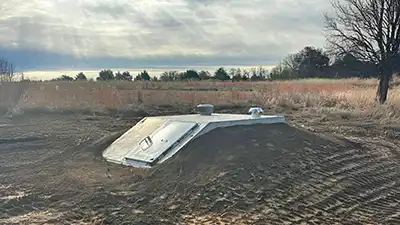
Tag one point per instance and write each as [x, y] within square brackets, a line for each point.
[158, 143]
[129, 140]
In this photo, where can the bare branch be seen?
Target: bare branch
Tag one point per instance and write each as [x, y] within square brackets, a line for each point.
[368, 29]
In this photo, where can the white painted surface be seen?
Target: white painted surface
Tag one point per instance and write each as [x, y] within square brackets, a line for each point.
[215, 117]
[117, 151]
[256, 111]
[127, 150]
[160, 141]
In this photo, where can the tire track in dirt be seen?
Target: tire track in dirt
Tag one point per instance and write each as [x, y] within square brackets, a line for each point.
[17, 154]
[349, 183]
[18, 140]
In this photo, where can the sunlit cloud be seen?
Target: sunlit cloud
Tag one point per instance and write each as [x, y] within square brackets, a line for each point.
[163, 30]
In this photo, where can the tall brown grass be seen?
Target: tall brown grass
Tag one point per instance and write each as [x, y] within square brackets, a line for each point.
[354, 96]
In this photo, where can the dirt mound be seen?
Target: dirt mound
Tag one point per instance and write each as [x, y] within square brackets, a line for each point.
[268, 174]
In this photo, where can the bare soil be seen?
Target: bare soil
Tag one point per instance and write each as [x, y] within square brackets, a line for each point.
[313, 170]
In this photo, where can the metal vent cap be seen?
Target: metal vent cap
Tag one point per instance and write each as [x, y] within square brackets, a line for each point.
[205, 109]
[256, 111]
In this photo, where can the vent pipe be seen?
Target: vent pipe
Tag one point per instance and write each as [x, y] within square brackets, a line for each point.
[256, 111]
[205, 109]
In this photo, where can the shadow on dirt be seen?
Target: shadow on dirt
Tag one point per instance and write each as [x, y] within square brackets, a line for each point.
[20, 139]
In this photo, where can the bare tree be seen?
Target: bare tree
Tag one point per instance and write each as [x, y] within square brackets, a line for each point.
[291, 61]
[6, 70]
[370, 31]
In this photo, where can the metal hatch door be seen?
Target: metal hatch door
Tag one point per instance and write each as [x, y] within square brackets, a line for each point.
[117, 151]
[153, 147]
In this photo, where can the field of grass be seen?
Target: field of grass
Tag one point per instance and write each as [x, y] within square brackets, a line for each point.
[347, 97]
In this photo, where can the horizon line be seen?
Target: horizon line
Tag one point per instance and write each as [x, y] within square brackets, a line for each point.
[153, 71]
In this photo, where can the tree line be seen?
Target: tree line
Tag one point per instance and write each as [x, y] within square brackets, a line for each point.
[221, 74]
[310, 62]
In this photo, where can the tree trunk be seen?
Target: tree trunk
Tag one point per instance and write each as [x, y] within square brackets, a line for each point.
[383, 87]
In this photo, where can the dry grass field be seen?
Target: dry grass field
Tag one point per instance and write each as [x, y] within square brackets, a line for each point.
[348, 96]
[336, 161]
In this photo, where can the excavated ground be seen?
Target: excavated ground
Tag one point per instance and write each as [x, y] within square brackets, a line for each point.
[311, 170]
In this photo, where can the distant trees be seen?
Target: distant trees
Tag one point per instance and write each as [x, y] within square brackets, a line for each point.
[204, 75]
[259, 74]
[236, 74]
[312, 62]
[309, 62]
[143, 76]
[7, 70]
[123, 76]
[283, 72]
[105, 75]
[190, 75]
[368, 31]
[221, 74]
[170, 76]
[63, 78]
[80, 76]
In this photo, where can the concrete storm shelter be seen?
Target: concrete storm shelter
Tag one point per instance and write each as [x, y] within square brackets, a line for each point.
[153, 140]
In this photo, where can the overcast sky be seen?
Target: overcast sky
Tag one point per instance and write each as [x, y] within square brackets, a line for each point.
[52, 34]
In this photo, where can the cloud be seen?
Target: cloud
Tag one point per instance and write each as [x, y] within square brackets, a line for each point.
[163, 31]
